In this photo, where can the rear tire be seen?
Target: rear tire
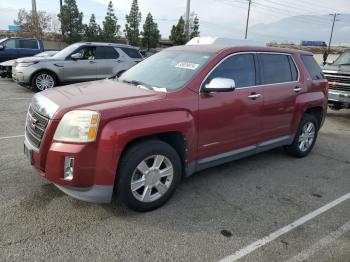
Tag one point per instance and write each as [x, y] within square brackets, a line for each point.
[43, 80]
[148, 175]
[305, 137]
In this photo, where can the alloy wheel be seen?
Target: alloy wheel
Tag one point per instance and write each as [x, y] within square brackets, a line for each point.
[152, 178]
[307, 136]
[44, 81]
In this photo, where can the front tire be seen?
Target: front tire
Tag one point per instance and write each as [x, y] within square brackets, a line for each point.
[43, 80]
[148, 175]
[305, 138]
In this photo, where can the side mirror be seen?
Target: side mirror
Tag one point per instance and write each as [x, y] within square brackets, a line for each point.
[220, 85]
[2, 47]
[76, 56]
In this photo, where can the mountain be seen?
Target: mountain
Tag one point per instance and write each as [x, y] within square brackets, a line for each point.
[304, 27]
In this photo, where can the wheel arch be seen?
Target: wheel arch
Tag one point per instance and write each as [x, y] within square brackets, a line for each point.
[175, 139]
[318, 113]
[44, 70]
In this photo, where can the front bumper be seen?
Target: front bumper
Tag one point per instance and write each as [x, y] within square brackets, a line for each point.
[22, 75]
[94, 194]
[89, 181]
[338, 96]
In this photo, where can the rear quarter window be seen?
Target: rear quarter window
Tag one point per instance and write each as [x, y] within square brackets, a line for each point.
[28, 44]
[131, 52]
[312, 67]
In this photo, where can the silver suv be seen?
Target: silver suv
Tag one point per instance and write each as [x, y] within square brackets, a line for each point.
[76, 63]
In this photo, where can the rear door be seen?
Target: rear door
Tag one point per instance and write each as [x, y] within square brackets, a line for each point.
[83, 69]
[107, 61]
[279, 77]
[231, 120]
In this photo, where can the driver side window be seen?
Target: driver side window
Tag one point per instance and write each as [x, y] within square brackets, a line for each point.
[87, 53]
[11, 44]
[240, 68]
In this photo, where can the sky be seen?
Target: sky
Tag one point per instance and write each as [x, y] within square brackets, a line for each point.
[224, 18]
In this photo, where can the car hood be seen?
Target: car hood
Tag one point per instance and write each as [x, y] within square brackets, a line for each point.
[337, 68]
[8, 63]
[102, 95]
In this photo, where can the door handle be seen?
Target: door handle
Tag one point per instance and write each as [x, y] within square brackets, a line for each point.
[92, 62]
[297, 89]
[254, 96]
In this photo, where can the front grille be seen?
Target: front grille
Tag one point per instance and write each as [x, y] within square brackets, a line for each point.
[35, 127]
[339, 82]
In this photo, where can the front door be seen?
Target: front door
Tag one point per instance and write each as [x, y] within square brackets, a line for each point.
[231, 121]
[82, 69]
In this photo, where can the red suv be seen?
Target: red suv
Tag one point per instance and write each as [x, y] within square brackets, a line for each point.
[178, 112]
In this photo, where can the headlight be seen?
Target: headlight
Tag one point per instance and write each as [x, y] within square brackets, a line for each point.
[26, 64]
[78, 126]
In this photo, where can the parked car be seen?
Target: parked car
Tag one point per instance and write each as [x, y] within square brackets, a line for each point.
[178, 112]
[76, 63]
[6, 67]
[338, 75]
[17, 47]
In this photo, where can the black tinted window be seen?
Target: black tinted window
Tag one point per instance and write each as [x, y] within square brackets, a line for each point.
[29, 44]
[312, 66]
[106, 52]
[275, 69]
[240, 68]
[131, 52]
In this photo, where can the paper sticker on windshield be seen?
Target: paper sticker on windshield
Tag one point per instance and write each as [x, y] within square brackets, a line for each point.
[186, 65]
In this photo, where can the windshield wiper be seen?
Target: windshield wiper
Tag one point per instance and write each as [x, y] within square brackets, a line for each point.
[137, 83]
[344, 64]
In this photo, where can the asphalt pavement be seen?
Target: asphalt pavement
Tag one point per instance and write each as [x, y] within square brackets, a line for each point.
[268, 207]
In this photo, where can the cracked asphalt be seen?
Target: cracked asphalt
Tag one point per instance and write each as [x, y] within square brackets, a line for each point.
[212, 215]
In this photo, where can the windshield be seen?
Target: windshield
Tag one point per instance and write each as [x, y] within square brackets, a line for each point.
[168, 69]
[343, 59]
[67, 51]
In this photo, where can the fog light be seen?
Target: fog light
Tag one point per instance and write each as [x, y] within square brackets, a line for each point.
[68, 168]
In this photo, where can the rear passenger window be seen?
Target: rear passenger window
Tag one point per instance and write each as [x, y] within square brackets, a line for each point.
[28, 44]
[131, 52]
[312, 67]
[275, 69]
[240, 68]
[106, 52]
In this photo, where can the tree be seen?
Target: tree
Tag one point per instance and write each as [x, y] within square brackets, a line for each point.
[178, 36]
[25, 20]
[92, 31]
[194, 30]
[71, 22]
[110, 25]
[151, 35]
[133, 21]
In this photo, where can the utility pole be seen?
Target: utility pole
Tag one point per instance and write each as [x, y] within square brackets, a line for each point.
[330, 39]
[35, 18]
[187, 24]
[246, 27]
[61, 4]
